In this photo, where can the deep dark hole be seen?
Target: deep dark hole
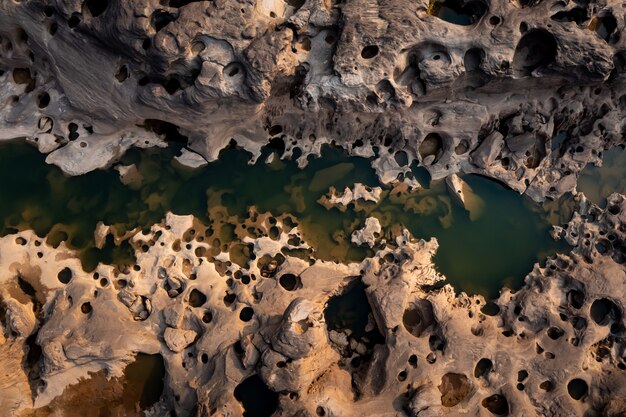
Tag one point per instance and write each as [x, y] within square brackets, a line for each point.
[577, 388]
[74, 20]
[496, 404]
[207, 317]
[122, 74]
[86, 308]
[483, 367]
[606, 27]
[536, 49]
[65, 275]
[34, 352]
[172, 85]
[161, 18]
[604, 311]
[170, 130]
[369, 52]
[43, 100]
[145, 375]
[296, 4]
[96, 7]
[196, 298]
[26, 287]
[246, 314]
[348, 310]
[577, 14]
[257, 399]
[288, 282]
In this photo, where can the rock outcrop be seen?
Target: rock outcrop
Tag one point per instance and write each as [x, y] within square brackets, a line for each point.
[555, 347]
[527, 92]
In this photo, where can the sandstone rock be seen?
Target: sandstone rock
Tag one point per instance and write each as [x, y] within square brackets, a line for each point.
[178, 339]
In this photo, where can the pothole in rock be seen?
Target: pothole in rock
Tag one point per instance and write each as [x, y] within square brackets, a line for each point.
[536, 50]
[352, 329]
[454, 388]
[256, 398]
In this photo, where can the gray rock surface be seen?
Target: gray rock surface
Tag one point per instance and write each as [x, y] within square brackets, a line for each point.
[527, 92]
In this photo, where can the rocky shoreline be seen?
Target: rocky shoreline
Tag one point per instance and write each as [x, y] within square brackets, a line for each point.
[524, 92]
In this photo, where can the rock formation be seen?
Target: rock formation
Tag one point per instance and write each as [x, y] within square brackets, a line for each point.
[527, 92]
[553, 348]
[524, 91]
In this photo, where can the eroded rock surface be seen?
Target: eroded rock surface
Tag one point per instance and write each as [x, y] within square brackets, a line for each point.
[527, 92]
[555, 347]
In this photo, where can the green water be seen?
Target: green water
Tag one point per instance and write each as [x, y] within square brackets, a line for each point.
[597, 183]
[498, 247]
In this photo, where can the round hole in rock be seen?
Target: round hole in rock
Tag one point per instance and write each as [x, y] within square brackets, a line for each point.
[196, 298]
[547, 386]
[122, 73]
[603, 311]
[48, 11]
[204, 358]
[401, 158]
[472, 60]
[418, 317]
[86, 308]
[74, 20]
[288, 282]
[161, 18]
[257, 399]
[555, 333]
[536, 50]
[207, 317]
[369, 52]
[431, 145]
[246, 314]
[494, 20]
[576, 298]
[233, 69]
[497, 404]
[614, 210]
[65, 275]
[453, 388]
[483, 367]
[577, 388]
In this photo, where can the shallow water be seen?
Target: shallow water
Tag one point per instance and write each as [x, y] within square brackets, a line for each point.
[597, 183]
[498, 247]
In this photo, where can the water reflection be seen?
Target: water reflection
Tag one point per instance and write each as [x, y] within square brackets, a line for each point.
[478, 253]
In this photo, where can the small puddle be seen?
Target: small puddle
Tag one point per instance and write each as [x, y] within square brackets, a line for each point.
[496, 246]
[597, 183]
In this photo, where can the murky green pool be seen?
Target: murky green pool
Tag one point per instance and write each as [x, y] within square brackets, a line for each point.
[597, 183]
[498, 247]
